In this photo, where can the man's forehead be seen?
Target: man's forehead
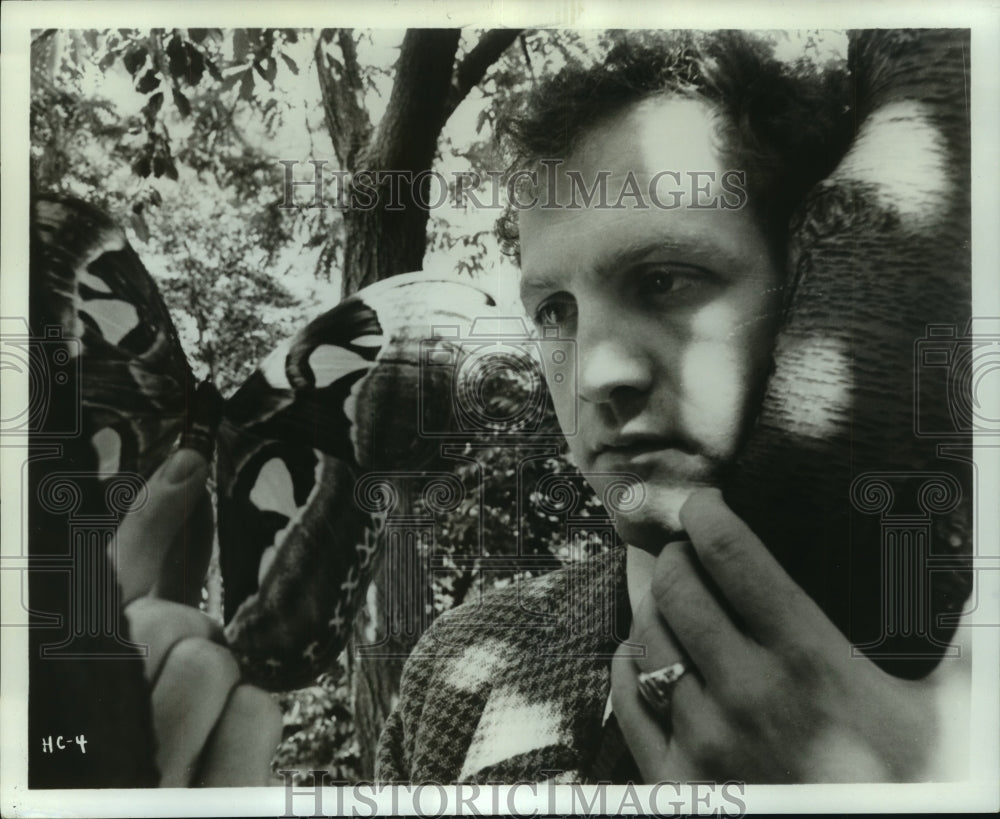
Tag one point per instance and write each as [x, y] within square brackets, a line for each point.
[645, 138]
[553, 246]
[647, 180]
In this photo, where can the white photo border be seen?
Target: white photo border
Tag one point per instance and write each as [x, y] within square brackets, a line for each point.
[980, 793]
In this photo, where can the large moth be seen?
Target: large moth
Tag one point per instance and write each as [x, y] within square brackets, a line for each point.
[349, 394]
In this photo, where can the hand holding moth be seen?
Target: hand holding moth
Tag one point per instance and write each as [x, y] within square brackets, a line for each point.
[772, 692]
[211, 729]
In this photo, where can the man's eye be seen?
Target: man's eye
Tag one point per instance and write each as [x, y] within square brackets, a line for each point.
[557, 310]
[658, 280]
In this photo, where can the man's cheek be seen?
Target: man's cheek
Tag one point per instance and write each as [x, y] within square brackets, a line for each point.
[716, 386]
[564, 402]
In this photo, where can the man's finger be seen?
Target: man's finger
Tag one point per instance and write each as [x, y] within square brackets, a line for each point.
[771, 605]
[646, 738]
[690, 608]
[657, 744]
[160, 624]
[146, 534]
[182, 722]
[651, 632]
[240, 749]
[182, 572]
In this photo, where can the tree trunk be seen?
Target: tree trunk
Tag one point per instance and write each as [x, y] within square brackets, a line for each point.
[386, 237]
[391, 236]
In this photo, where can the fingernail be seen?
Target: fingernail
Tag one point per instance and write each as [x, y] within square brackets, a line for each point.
[182, 465]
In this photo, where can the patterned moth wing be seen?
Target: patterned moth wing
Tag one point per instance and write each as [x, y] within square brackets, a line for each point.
[119, 396]
[346, 396]
[136, 387]
[845, 475]
[350, 393]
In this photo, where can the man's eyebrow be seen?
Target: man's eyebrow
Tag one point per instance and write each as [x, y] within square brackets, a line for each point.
[712, 255]
[614, 257]
[537, 284]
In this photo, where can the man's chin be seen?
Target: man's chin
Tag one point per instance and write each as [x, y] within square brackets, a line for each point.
[656, 521]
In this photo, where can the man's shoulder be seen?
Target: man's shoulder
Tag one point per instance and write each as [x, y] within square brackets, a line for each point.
[537, 602]
[527, 663]
[573, 608]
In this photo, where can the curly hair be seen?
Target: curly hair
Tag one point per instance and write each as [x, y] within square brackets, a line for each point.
[786, 125]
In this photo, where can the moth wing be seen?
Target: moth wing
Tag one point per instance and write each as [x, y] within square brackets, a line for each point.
[91, 293]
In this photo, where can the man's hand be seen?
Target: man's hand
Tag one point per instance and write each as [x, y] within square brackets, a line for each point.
[210, 729]
[772, 693]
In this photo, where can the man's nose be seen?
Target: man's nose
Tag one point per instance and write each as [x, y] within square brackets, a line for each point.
[612, 363]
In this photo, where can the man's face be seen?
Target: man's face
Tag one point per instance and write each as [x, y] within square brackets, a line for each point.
[671, 312]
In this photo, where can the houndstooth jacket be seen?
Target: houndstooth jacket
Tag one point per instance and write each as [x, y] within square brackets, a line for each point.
[512, 687]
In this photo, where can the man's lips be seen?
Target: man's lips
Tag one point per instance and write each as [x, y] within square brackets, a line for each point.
[664, 454]
[626, 445]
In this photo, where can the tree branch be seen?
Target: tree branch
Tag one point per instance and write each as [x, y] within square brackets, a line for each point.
[473, 67]
[42, 36]
[407, 136]
[342, 92]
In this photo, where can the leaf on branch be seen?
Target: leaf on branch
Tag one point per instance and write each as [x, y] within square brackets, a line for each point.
[241, 45]
[107, 61]
[139, 226]
[196, 64]
[182, 103]
[91, 37]
[246, 86]
[267, 68]
[134, 58]
[142, 166]
[177, 56]
[197, 35]
[149, 81]
[290, 63]
[152, 108]
[213, 70]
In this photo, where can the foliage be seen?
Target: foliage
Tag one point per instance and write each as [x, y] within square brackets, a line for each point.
[506, 511]
[319, 730]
